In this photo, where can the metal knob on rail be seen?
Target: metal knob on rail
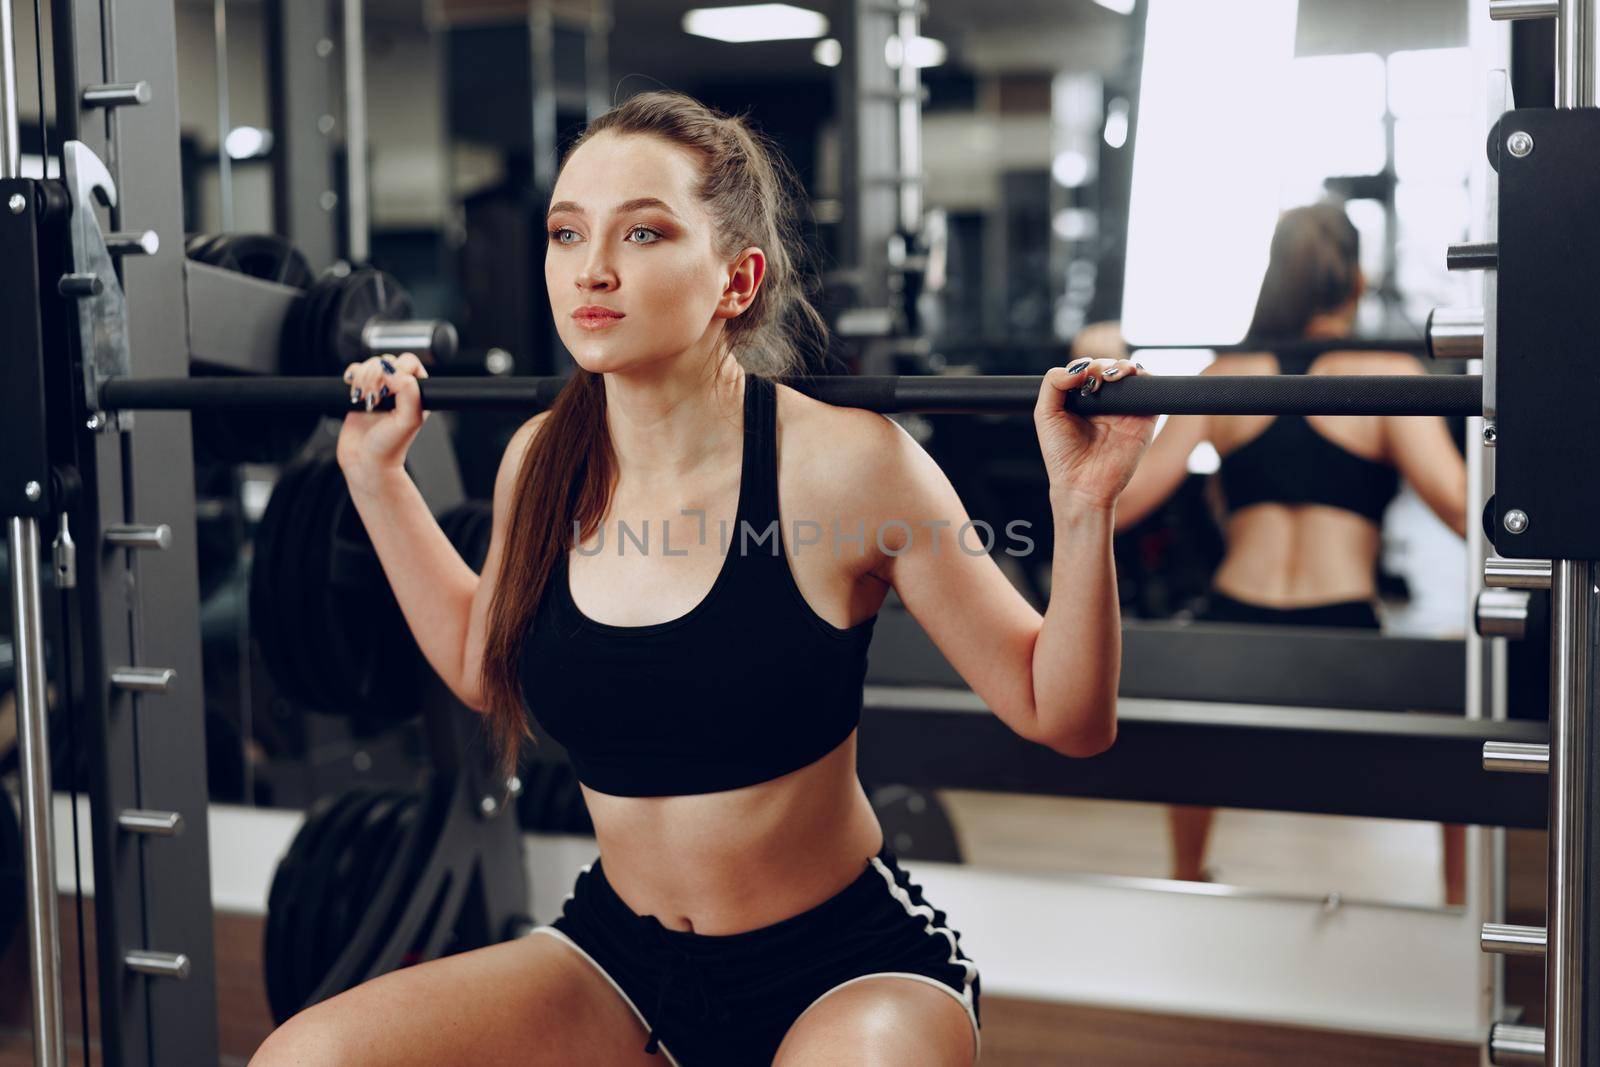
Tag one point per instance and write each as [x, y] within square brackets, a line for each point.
[1516, 1046]
[1512, 10]
[391, 338]
[134, 243]
[1481, 256]
[1516, 757]
[1502, 573]
[158, 964]
[143, 679]
[118, 94]
[1502, 613]
[151, 823]
[131, 535]
[1506, 940]
[1455, 333]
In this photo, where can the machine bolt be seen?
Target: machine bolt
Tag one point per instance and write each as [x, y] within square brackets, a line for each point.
[1520, 143]
[1516, 520]
[1490, 434]
[489, 806]
[95, 421]
[18, 203]
[33, 491]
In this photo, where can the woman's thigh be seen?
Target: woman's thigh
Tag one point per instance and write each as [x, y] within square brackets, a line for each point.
[534, 1000]
[884, 1022]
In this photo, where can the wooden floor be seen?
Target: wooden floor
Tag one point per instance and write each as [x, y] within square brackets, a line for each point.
[1016, 1033]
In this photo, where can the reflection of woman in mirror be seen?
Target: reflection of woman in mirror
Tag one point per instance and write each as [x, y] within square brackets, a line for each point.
[1305, 494]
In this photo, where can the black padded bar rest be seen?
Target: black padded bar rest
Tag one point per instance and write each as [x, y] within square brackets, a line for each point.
[1429, 394]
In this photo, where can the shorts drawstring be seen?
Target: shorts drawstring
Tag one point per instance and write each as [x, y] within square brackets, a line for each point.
[679, 965]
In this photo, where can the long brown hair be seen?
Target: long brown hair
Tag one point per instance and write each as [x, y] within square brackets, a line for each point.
[1314, 266]
[567, 476]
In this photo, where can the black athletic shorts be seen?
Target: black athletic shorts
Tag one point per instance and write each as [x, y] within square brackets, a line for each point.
[730, 999]
[1352, 614]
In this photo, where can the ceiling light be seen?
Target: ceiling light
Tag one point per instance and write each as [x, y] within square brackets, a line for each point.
[755, 22]
[247, 142]
[1116, 134]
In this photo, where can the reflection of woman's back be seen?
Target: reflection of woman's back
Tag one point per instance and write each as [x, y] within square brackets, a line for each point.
[1306, 497]
[1305, 494]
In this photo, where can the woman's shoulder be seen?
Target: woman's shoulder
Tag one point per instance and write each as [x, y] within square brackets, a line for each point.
[843, 454]
[835, 435]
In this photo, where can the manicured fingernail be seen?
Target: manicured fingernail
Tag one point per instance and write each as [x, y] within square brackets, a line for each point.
[383, 393]
[1076, 367]
[372, 398]
[1139, 365]
[1091, 385]
[1114, 372]
[388, 368]
[348, 376]
[355, 394]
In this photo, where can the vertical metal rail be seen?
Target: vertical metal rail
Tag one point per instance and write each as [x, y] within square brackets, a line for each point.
[219, 33]
[33, 739]
[1572, 604]
[541, 55]
[1573, 601]
[357, 214]
[33, 743]
[908, 82]
[10, 130]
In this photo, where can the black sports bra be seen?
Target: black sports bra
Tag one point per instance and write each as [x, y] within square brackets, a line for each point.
[750, 685]
[1291, 463]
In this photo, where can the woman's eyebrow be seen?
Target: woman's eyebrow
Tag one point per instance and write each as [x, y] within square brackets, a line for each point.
[636, 204]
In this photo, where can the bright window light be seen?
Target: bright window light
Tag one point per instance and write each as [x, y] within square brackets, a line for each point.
[1205, 190]
[1121, 7]
[1432, 81]
[828, 51]
[1347, 86]
[1435, 148]
[925, 52]
[755, 22]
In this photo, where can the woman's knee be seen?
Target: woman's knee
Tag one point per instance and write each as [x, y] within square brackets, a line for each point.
[314, 1038]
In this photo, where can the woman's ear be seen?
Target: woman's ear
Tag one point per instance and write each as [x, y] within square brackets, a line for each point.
[744, 281]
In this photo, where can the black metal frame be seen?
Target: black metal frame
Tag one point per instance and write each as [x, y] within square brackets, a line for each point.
[1379, 764]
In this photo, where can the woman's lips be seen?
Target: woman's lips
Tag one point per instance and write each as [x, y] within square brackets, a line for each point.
[596, 318]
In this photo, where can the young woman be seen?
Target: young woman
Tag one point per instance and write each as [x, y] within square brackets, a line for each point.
[1306, 495]
[704, 675]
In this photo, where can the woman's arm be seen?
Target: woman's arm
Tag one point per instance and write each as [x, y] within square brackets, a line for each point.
[1163, 468]
[1421, 449]
[444, 603]
[505, 484]
[1052, 679]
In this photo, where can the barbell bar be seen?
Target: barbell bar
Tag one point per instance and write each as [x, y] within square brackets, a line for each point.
[1450, 395]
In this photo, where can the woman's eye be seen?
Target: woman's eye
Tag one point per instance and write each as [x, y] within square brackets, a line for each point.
[563, 236]
[649, 236]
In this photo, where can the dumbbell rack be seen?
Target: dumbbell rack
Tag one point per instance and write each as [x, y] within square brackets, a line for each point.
[1538, 341]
